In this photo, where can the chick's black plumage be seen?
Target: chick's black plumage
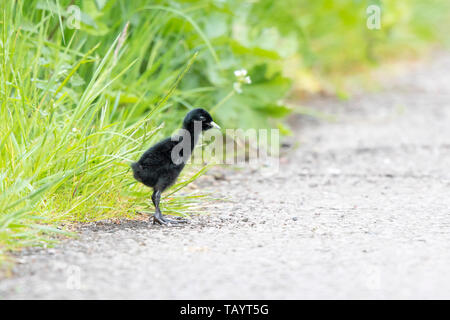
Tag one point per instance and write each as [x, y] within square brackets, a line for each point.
[160, 166]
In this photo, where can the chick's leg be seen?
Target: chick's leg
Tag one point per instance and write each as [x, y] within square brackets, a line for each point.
[158, 217]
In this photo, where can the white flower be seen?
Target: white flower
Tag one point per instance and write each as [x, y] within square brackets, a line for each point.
[240, 73]
[242, 77]
[74, 129]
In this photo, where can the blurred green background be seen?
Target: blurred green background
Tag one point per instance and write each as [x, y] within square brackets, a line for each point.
[86, 86]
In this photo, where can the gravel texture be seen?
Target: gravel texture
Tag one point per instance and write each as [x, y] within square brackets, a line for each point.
[361, 209]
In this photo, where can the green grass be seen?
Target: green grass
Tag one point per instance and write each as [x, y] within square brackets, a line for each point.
[65, 148]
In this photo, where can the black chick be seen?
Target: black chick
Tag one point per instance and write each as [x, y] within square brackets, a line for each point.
[160, 166]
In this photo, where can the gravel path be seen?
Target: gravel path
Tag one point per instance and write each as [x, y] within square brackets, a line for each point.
[361, 209]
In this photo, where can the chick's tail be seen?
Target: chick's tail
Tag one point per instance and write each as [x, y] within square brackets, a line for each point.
[138, 171]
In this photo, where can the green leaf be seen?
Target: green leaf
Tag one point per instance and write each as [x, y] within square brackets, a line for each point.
[274, 110]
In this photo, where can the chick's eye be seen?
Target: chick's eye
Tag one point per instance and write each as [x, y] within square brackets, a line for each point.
[202, 118]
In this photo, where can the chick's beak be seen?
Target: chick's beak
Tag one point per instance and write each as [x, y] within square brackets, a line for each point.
[214, 125]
